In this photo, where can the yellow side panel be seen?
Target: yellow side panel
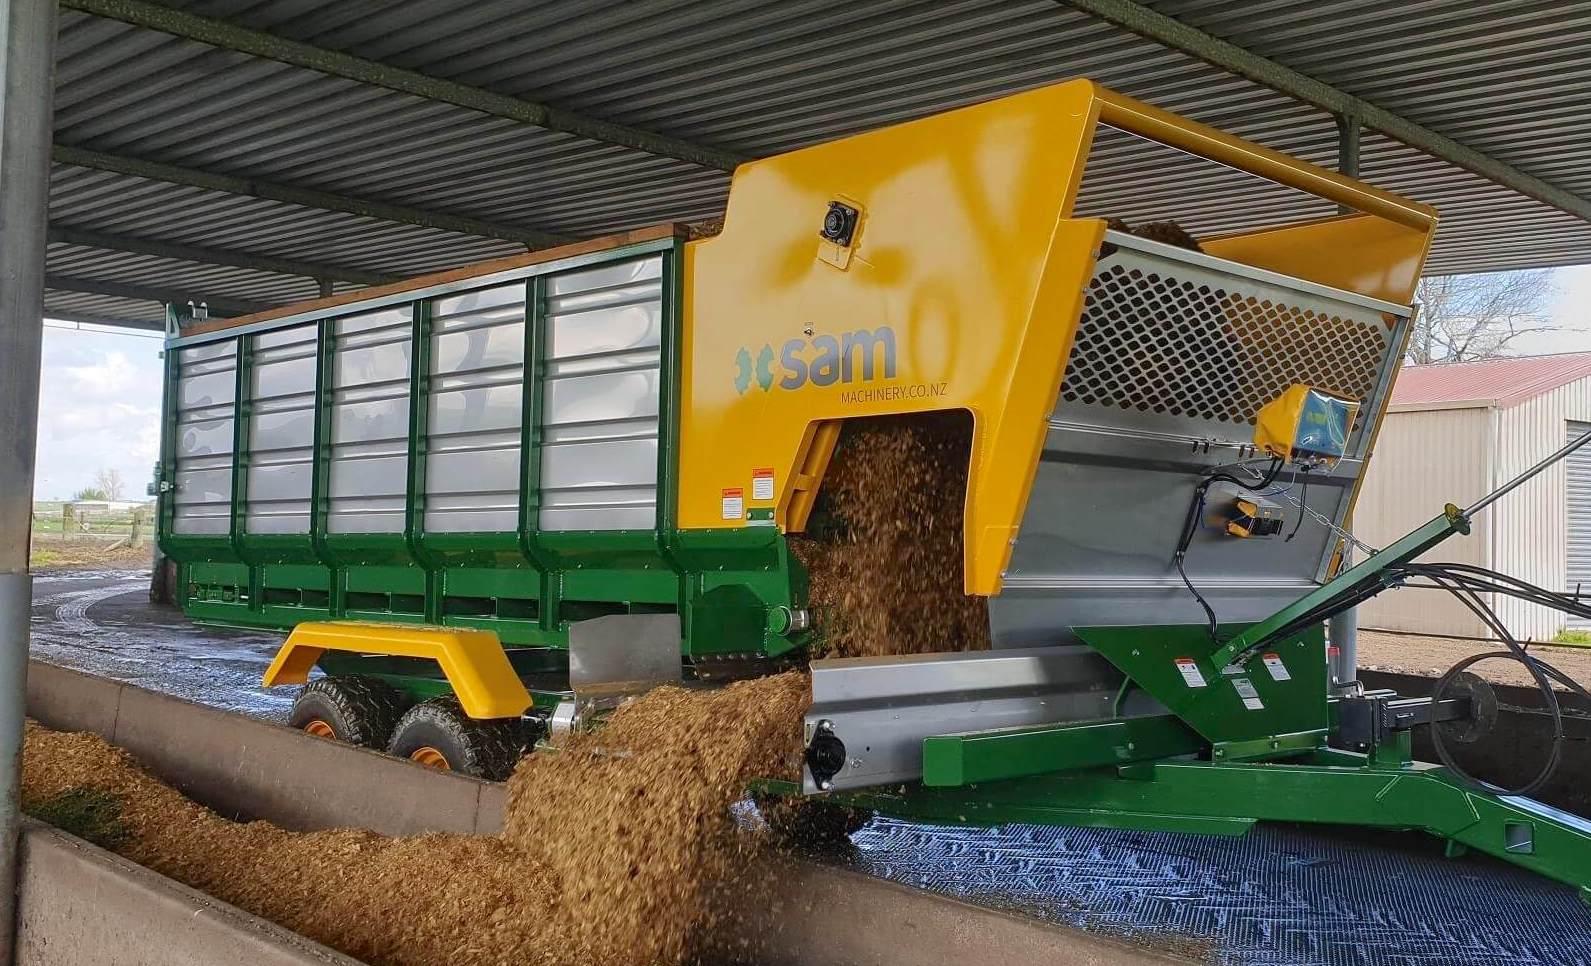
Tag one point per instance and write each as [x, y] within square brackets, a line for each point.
[962, 290]
[1360, 253]
[472, 660]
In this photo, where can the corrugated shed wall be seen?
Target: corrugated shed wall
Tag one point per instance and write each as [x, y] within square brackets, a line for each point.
[1531, 523]
[1423, 459]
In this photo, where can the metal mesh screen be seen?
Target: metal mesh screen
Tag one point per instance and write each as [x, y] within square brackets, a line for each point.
[1195, 345]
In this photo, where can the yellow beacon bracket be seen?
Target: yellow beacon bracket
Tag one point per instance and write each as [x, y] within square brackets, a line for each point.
[1305, 425]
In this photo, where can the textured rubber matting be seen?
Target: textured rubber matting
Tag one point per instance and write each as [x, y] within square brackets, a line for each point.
[1279, 895]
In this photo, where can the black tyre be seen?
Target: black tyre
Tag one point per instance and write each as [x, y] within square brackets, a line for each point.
[163, 581]
[811, 825]
[438, 733]
[356, 709]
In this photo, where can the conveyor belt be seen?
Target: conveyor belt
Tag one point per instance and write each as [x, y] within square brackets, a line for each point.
[1280, 896]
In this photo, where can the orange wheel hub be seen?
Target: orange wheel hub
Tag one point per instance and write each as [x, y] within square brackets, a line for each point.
[319, 728]
[430, 758]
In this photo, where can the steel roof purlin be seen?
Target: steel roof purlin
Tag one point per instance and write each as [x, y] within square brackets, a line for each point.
[255, 152]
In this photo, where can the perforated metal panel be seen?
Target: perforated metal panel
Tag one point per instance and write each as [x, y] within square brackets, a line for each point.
[281, 435]
[476, 402]
[600, 398]
[368, 485]
[1170, 339]
[206, 388]
[1175, 353]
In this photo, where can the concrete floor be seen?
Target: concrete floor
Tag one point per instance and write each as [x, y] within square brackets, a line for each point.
[1280, 895]
[101, 621]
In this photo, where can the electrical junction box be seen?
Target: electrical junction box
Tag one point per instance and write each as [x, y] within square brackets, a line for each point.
[1241, 512]
[1305, 425]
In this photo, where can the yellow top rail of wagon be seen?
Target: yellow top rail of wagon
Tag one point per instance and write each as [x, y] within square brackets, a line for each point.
[961, 288]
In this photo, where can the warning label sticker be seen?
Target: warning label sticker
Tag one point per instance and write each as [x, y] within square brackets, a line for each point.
[734, 503]
[762, 483]
[1273, 664]
[1190, 672]
[1332, 651]
[1251, 697]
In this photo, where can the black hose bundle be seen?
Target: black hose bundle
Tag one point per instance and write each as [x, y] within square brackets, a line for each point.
[1467, 583]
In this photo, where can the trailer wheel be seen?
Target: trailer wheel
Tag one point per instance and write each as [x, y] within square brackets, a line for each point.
[438, 734]
[356, 709]
[813, 825]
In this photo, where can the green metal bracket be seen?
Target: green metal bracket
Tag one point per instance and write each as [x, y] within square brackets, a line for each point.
[1274, 746]
[1276, 704]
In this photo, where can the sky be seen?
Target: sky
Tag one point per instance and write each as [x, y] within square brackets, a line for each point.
[1571, 310]
[99, 404]
[99, 407]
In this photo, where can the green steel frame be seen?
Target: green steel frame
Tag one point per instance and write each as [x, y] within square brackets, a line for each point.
[729, 586]
[1245, 740]
[1227, 798]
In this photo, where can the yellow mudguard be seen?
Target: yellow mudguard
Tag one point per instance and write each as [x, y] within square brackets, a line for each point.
[472, 660]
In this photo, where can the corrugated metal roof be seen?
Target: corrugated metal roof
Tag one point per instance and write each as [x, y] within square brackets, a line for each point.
[758, 79]
[1504, 382]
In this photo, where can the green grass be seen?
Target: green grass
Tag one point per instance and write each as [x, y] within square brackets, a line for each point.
[91, 814]
[43, 557]
[1576, 637]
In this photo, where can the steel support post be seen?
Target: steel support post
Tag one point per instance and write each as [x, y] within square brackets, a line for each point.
[1347, 149]
[1348, 145]
[28, 51]
[1342, 633]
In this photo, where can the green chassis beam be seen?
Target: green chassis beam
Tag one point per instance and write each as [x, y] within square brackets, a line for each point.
[982, 756]
[1229, 797]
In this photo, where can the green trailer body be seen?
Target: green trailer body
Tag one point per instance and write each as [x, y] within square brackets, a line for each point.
[397, 459]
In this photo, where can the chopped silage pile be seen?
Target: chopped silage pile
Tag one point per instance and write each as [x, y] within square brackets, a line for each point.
[613, 850]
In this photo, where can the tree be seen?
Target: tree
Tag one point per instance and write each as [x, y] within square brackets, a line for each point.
[110, 481]
[1467, 317]
[89, 493]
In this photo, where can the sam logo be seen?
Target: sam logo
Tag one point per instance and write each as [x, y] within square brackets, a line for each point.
[822, 360]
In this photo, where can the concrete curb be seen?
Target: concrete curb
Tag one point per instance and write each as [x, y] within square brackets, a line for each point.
[247, 768]
[78, 905]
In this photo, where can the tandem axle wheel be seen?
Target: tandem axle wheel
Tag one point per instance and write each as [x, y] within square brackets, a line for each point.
[371, 713]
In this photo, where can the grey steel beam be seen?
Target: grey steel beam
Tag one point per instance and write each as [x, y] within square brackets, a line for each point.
[27, 58]
[304, 197]
[83, 318]
[88, 238]
[221, 305]
[259, 43]
[1211, 49]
